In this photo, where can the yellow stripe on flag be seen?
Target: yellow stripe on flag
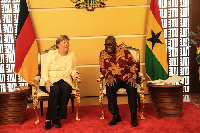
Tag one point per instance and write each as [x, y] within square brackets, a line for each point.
[162, 58]
[29, 68]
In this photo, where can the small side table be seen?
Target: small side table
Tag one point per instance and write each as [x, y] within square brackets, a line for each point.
[167, 100]
[13, 105]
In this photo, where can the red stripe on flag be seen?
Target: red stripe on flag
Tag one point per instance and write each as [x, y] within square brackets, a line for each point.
[23, 43]
[155, 11]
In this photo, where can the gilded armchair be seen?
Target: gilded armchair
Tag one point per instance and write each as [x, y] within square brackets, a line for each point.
[122, 92]
[40, 96]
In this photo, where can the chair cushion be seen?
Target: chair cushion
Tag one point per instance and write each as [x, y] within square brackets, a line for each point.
[123, 90]
[120, 91]
[41, 93]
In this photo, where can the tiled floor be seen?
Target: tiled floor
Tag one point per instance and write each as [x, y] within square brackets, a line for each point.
[192, 97]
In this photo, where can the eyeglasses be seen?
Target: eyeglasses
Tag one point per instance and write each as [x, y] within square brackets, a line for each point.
[110, 44]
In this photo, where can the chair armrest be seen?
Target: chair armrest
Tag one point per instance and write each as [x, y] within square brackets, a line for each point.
[140, 90]
[77, 94]
[77, 97]
[101, 94]
[139, 85]
[35, 87]
[142, 78]
[36, 81]
[78, 80]
[37, 78]
[100, 78]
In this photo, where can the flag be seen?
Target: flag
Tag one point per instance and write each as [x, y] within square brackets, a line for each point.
[155, 54]
[26, 49]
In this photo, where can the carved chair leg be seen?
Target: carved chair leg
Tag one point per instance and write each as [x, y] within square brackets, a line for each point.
[77, 107]
[35, 103]
[36, 112]
[72, 102]
[102, 108]
[41, 107]
[139, 102]
[77, 97]
[101, 95]
[142, 100]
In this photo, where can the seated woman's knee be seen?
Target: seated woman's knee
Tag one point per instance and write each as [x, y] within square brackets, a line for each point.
[55, 90]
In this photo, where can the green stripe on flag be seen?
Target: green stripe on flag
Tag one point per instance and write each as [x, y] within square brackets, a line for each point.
[153, 67]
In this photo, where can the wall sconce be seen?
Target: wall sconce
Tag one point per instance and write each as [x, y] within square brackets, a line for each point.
[90, 5]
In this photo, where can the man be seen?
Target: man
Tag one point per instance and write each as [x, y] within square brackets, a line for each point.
[120, 70]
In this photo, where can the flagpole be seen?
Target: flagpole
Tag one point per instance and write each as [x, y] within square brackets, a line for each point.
[17, 80]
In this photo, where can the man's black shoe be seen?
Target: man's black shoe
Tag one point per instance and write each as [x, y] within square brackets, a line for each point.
[57, 123]
[134, 121]
[115, 119]
[47, 125]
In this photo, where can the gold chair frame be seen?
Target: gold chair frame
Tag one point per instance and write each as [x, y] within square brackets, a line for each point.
[140, 87]
[35, 88]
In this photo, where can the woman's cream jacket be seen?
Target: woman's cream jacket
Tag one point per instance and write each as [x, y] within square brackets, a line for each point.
[55, 67]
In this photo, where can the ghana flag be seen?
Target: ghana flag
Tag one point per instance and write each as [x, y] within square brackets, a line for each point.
[155, 54]
[26, 50]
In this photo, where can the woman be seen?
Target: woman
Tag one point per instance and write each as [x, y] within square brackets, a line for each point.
[57, 73]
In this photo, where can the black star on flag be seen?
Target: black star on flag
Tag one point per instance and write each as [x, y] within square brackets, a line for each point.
[155, 38]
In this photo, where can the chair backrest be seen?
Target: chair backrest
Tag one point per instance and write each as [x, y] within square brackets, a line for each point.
[42, 57]
[135, 53]
[122, 92]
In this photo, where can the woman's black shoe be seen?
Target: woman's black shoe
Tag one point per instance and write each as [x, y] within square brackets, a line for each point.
[57, 123]
[47, 125]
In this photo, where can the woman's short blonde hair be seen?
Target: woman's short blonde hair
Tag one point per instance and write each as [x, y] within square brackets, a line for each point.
[60, 39]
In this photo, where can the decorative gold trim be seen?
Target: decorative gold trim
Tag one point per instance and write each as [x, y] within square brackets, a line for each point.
[101, 95]
[77, 97]
[140, 89]
[141, 92]
[34, 85]
[90, 5]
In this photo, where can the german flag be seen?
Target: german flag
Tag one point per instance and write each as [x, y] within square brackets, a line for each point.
[155, 54]
[26, 50]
